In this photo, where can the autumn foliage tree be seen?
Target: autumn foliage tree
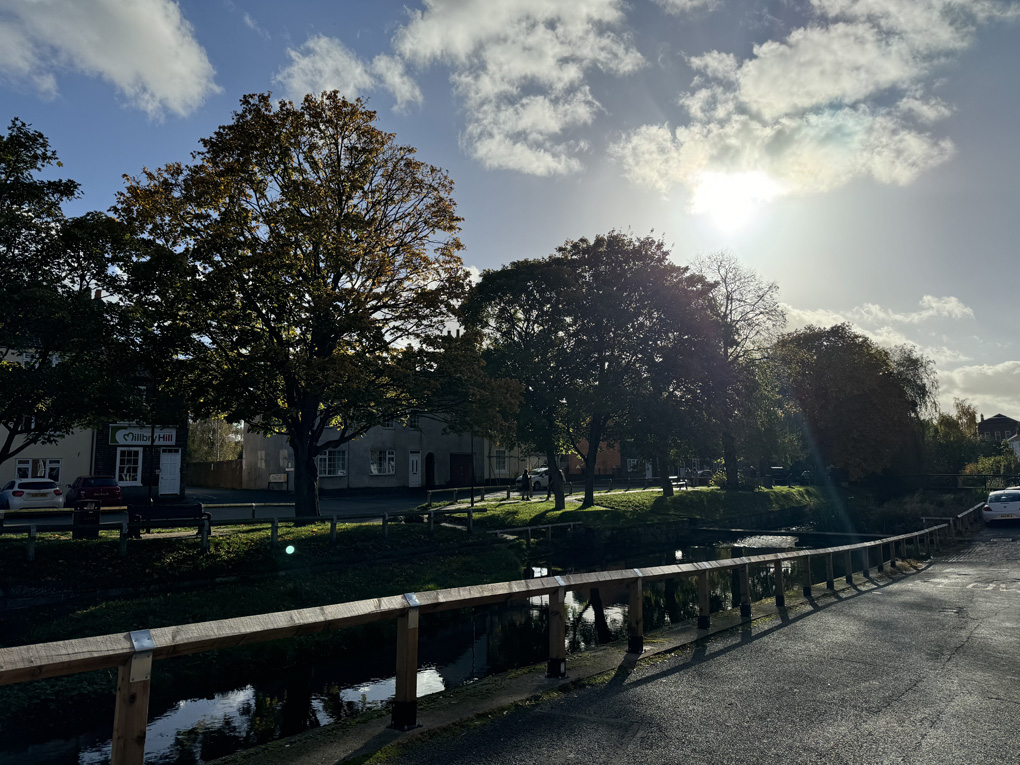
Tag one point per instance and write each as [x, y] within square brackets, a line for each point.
[317, 268]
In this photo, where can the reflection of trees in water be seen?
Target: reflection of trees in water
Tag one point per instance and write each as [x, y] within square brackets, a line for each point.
[517, 636]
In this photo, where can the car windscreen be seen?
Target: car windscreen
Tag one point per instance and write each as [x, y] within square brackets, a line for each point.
[36, 485]
[96, 482]
[1004, 496]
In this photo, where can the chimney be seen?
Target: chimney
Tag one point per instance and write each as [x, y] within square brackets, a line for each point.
[98, 295]
[982, 418]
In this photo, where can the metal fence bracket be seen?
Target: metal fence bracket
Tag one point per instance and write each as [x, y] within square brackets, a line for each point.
[141, 662]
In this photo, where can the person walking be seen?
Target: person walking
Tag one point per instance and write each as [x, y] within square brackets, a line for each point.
[525, 485]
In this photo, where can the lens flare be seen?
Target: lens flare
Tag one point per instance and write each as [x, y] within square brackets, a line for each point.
[732, 200]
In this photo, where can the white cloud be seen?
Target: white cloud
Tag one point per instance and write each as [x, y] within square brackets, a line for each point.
[519, 67]
[842, 97]
[253, 25]
[324, 63]
[686, 6]
[993, 388]
[145, 48]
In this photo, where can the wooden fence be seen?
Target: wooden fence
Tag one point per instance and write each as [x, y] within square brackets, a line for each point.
[133, 653]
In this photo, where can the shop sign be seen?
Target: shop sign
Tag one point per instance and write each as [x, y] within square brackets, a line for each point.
[126, 435]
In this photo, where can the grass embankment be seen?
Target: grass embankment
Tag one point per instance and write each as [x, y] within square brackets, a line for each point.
[620, 509]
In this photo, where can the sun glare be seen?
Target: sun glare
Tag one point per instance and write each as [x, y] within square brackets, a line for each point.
[732, 200]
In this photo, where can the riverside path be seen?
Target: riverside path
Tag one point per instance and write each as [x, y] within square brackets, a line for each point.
[922, 667]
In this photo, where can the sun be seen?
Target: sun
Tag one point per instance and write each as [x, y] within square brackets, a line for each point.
[732, 200]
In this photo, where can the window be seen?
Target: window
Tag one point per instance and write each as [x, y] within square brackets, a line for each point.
[129, 466]
[998, 436]
[332, 462]
[383, 462]
[38, 468]
[414, 421]
[632, 466]
[499, 461]
[388, 424]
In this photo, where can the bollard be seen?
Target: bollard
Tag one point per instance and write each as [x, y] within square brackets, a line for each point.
[508, 493]
[31, 542]
[830, 579]
[455, 496]
[471, 521]
[428, 499]
[780, 585]
[332, 529]
[432, 520]
[848, 567]
[405, 700]
[557, 664]
[123, 539]
[704, 601]
[745, 591]
[807, 576]
[274, 532]
[253, 511]
[635, 617]
[386, 525]
[548, 533]
[205, 536]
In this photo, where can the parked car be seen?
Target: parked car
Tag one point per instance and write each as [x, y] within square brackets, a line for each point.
[31, 492]
[98, 487]
[1001, 505]
[539, 479]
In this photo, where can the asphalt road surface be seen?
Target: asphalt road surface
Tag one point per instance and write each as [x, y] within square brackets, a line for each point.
[923, 670]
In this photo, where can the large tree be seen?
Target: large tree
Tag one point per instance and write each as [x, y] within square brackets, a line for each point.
[60, 334]
[751, 318]
[316, 267]
[585, 330]
[858, 404]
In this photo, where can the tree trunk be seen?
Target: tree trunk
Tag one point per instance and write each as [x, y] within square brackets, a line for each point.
[729, 444]
[594, 441]
[555, 479]
[664, 479]
[306, 481]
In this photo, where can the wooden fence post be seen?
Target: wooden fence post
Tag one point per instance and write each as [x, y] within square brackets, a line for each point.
[332, 529]
[780, 585]
[274, 532]
[132, 710]
[848, 567]
[205, 536]
[745, 591]
[31, 542]
[704, 601]
[635, 616]
[866, 562]
[432, 520]
[385, 525]
[807, 576]
[557, 664]
[881, 556]
[471, 521]
[405, 700]
[830, 578]
[892, 554]
[123, 539]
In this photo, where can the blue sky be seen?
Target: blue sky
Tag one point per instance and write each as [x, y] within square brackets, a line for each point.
[861, 153]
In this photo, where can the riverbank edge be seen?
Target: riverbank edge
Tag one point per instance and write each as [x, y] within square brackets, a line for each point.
[441, 714]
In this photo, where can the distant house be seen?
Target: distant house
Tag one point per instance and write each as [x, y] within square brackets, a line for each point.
[415, 454]
[997, 428]
[1014, 444]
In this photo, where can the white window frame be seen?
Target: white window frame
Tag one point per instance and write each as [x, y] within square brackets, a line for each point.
[121, 451]
[382, 462]
[23, 469]
[501, 461]
[338, 458]
[53, 466]
[414, 421]
[388, 424]
[38, 467]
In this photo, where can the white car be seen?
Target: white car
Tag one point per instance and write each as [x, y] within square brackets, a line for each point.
[539, 479]
[1002, 505]
[31, 492]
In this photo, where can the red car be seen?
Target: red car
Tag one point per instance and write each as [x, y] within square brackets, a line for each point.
[101, 487]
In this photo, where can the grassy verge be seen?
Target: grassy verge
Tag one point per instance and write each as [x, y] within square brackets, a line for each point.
[649, 507]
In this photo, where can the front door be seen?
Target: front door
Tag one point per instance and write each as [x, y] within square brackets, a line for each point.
[414, 469]
[170, 471]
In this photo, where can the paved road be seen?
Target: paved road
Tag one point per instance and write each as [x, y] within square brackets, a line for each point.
[924, 670]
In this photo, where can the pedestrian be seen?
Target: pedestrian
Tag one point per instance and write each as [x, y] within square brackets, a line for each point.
[525, 485]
